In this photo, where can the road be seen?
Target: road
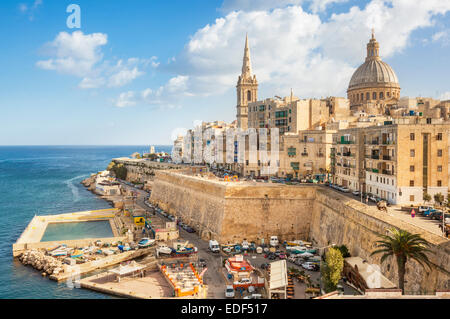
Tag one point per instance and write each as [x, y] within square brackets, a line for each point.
[424, 223]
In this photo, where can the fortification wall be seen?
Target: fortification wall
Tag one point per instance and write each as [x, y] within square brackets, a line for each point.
[143, 171]
[230, 212]
[340, 220]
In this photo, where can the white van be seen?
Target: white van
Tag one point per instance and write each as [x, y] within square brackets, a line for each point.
[214, 246]
[274, 241]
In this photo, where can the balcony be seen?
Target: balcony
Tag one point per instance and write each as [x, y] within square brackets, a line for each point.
[386, 172]
[338, 164]
[345, 142]
[375, 156]
[304, 154]
[374, 170]
[388, 142]
[387, 158]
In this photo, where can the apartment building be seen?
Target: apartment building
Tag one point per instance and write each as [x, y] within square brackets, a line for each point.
[404, 160]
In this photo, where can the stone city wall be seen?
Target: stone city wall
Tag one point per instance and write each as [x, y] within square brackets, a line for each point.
[142, 171]
[336, 219]
[230, 212]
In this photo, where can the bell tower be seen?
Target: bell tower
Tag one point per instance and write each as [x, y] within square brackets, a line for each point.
[247, 89]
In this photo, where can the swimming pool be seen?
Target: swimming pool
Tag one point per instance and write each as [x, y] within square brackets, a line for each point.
[77, 230]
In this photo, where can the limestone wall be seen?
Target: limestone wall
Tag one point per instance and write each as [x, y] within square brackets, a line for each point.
[336, 219]
[230, 212]
[142, 171]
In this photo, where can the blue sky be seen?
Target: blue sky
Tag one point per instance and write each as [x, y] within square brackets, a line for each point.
[137, 72]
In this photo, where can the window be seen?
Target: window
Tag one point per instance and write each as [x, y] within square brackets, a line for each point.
[439, 168]
[439, 137]
[428, 120]
[362, 96]
[439, 153]
[412, 153]
[411, 198]
[381, 95]
[374, 95]
[439, 183]
[388, 94]
[412, 136]
[249, 95]
[367, 96]
[411, 168]
[411, 183]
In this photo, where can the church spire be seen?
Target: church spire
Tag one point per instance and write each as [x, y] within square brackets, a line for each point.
[247, 64]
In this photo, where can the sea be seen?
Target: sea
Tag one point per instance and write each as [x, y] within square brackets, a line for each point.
[45, 180]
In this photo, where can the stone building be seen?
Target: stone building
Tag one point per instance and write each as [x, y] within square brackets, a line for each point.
[347, 158]
[374, 85]
[404, 161]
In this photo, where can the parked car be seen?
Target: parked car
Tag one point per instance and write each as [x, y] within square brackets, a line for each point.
[427, 213]
[202, 262]
[345, 189]
[437, 214]
[423, 209]
[310, 266]
[356, 193]
[271, 256]
[243, 281]
[229, 291]
[189, 229]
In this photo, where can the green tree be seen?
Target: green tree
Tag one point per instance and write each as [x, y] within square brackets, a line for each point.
[403, 245]
[344, 251]
[439, 198]
[332, 270]
[426, 198]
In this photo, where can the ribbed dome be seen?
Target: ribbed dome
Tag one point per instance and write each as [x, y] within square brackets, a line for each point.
[373, 73]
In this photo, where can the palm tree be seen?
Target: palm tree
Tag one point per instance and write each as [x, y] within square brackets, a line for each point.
[403, 245]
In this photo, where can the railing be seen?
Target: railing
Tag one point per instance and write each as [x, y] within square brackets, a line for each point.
[375, 156]
[375, 170]
[386, 172]
[304, 154]
[387, 157]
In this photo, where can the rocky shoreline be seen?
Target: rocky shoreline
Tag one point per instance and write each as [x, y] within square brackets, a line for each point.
[42, 262]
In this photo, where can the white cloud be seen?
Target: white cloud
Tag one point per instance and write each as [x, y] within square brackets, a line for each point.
[126, 99]
[75, 53]
[264, 5]
[80, 55]
[30, 10]
[167, 96]
[292, 48]
[441, 36]
[123, 77]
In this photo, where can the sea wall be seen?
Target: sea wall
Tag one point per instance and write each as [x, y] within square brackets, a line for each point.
[230, 212]
[143, 171]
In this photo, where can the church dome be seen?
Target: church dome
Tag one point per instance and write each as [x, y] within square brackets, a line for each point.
[373, 73]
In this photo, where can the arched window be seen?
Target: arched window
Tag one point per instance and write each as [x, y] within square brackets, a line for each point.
[374, 95]
[362, 96]
[381, 95]
[249, 95]
[367, 96]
